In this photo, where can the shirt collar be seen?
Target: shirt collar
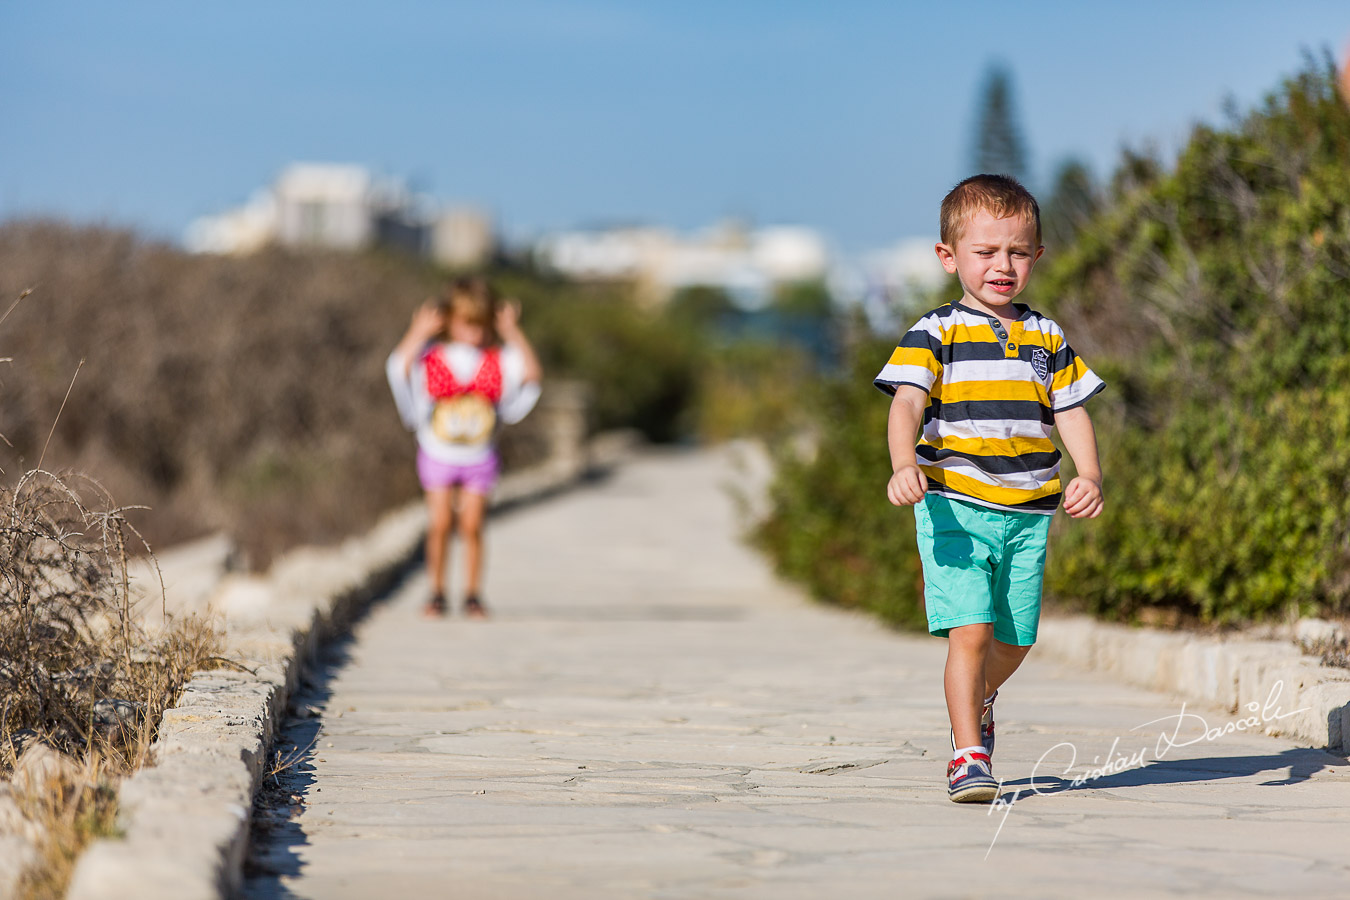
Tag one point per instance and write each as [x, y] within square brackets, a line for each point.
[1022, 310]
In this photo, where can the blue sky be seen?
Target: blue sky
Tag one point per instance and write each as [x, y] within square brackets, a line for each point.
[854, 117]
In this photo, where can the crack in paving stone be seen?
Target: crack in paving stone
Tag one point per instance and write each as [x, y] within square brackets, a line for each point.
[826, 768]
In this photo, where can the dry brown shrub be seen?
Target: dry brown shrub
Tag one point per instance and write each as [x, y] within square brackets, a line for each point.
[244, 395]
[78, 672]
[82, 681]
[77, 668]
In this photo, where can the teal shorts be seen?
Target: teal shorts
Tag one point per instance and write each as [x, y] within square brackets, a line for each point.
[982, 565]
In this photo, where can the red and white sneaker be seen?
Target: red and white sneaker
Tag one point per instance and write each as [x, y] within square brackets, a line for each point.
[968, 779]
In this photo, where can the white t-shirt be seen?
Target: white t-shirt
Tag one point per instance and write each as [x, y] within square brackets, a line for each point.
[455, 445]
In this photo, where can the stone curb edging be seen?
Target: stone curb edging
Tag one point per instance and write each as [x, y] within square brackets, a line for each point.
[185, 820]
[1232, 674]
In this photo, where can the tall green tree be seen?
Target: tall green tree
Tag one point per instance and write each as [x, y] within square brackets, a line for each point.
[1074, 200]
[999, 148]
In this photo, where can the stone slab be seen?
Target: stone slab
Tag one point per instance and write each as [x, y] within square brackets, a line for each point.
[185, 819]
[650, 713]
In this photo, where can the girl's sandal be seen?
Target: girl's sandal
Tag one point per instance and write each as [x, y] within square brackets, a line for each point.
[473, 607]
[435, 607]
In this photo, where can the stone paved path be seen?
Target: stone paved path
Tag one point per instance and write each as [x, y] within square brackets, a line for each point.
[652, 714]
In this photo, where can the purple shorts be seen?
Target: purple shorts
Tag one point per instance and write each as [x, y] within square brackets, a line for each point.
[478, 478]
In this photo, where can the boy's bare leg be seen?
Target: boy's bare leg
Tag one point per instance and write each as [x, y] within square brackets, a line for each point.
[1002, 661]
[964, 678]
[472, 512]
[440, 517]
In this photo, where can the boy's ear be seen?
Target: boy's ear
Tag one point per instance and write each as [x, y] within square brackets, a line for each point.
[1039, 251]
[947, 257]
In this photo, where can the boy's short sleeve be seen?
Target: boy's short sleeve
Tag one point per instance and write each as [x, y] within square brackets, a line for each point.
[915, 362]
[1073, 383]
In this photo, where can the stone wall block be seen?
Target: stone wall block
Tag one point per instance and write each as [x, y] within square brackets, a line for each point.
[1230, 673]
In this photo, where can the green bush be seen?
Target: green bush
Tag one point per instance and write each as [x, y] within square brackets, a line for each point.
[832, 527]
[1215, 301]
[1226, 514]
[1225, 440]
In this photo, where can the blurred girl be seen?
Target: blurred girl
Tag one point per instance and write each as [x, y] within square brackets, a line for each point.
[462, 369]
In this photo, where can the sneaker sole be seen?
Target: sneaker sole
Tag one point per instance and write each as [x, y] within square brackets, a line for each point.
[975, 793]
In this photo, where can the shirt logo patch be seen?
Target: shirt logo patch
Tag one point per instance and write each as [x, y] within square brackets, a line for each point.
[1040, 361]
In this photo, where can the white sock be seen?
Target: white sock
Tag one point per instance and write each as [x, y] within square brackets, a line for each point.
[978, 748]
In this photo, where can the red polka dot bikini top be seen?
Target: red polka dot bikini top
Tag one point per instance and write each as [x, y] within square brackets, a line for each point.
[442, 384]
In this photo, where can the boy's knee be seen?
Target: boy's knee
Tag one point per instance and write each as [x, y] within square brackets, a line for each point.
[979, 634]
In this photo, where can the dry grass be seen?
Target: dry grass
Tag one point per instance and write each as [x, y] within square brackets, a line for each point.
[236, 395]
[70, 812]
[82, 681]
[78, 673]
[244, 395]
[76, 666]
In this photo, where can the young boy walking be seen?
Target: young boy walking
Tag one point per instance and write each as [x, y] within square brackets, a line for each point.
[987, 379]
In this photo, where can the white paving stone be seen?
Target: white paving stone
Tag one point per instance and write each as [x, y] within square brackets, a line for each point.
[650, 713]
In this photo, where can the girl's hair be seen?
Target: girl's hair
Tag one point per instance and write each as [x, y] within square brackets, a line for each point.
[472, 298]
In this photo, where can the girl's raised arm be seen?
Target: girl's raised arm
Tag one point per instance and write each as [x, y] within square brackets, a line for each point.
[508, 327]
[427, 322]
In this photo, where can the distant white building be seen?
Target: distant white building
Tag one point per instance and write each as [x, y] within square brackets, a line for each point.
[611, 254]
[345, 207]
[789, 253]
[325, 206]
[244, 230]
[747, 264]
[892, 284]
[462, 238]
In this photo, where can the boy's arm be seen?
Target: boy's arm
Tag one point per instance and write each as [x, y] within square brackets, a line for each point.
[1083, 496]
[908, 484]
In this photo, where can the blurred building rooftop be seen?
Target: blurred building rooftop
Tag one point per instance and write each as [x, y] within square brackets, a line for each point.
[346, 207]
[746, 263]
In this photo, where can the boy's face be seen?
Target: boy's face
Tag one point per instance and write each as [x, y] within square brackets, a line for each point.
[993, 258]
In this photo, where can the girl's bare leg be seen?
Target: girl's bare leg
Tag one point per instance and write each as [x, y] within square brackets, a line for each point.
[472, 512]
[440, 518]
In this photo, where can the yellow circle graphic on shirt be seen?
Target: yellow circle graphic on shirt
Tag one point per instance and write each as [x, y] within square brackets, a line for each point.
[465, 419]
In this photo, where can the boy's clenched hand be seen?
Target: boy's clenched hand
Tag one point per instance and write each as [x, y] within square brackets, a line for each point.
[1083, 498]
[907, 486]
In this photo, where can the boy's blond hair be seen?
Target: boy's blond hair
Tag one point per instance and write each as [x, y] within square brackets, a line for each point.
[998, 195]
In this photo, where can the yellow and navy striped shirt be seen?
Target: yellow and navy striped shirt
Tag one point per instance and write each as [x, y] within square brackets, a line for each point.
[993, 393]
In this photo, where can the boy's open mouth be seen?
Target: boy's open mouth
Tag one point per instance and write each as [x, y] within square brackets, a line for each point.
[1002, 285]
